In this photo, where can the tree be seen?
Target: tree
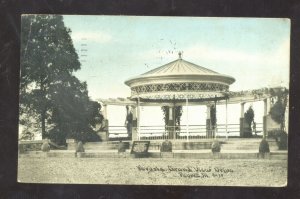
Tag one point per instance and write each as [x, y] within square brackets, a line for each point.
[178, 114]
[277, 111]
[46, 52]
[73, 114]
[129, 121]
[165, 110]
[213, 116]
[49, 92]
[249, 118]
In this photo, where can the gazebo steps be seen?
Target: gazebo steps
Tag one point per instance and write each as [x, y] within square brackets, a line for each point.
[183, 154]
[247, 144]
[109, 145]
[154, 145]
[227, 144]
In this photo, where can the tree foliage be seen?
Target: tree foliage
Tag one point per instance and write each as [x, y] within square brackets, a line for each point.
[49, 92]
[213, 116]
[277, 111]
[165, 110]
[249, 116]
[177, 116]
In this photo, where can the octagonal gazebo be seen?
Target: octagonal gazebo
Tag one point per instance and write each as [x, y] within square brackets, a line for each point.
[178, 82]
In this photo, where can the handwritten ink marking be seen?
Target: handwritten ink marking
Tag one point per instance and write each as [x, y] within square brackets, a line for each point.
[150, 169]
[217, 175]
[193, 175]
[185, 169]
[188, 172]
[207, 170]
[223, 170]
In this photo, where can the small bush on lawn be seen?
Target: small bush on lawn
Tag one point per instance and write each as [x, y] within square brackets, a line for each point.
[282, 140]
[264, 146]
[45, 147]
[79, 147]
[216, 146]
[247, 133]
[122, 146]
[166, 146]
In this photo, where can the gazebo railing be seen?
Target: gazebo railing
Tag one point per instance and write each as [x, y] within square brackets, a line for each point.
[154, 133]
[117, 132]
[182, 132]
[194, 132]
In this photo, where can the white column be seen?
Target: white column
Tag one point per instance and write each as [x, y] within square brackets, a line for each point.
[105, 111]
[208, 111]
[187, 119]
[267, 106]
[267, 103]
[170, 112]
[208, 125]
[138, 119]
[216, 127]
[226, 122]
[242, 109]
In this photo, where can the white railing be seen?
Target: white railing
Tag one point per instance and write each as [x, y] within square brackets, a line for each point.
[117, 132]
[182, 132]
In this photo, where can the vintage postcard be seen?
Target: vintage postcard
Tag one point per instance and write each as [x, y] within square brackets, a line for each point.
[142, 100]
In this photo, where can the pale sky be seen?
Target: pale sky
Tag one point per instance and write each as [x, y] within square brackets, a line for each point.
[253, 51]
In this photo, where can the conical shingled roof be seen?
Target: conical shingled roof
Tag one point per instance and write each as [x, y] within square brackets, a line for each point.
[179, 67]
[184, 70]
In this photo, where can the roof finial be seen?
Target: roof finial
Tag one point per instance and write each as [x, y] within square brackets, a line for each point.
[180, 54]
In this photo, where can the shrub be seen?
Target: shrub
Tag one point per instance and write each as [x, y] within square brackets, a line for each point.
[166, 146]
[249, 118]
[215, 146]
[122, 146]
[282, 140]
[45, 147]
[264, 146]
[79, 147]
[274, 133]
[247, 132]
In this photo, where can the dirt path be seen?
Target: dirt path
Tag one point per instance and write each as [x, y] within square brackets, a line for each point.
[153, 171]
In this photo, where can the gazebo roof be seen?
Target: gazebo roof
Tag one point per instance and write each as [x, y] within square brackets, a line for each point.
[179, 78]
[179, 67]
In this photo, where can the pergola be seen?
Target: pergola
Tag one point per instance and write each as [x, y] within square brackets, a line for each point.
[183, 83]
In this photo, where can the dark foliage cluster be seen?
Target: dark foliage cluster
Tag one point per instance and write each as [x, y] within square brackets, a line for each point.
[264, 146]
[249, 118]
[216, 146]
[166, 146]
[280, 137]
[213, 116]
[278, 110]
